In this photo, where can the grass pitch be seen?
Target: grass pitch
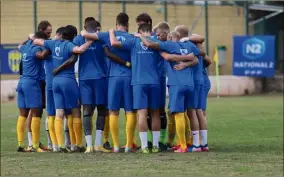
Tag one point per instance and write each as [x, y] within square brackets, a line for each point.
[245, 138]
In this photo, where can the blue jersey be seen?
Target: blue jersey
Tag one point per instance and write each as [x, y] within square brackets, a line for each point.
[92, 63]
[31, 65]
[197, 69]
[205, 77]
[61, 51]
[115, 68]
[144, 62]
[162, 63]
[48, 65]
[183, 77]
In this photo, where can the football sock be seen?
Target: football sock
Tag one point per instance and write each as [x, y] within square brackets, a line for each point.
[203, 134]
[21, 130]
[71, 130]
[171, 129]
[106, 128]
[30, 139]
[92, 125]
[156, 138]
[188, 135]
[98, 138]
[195, 136]
[180, 128]
[52, 130]
[47, 133]
[77, 126]
[163, 128]
[130, 129]
[66, 133]
[144, 139]
[58, 131]
[113, 125]
[35, 126]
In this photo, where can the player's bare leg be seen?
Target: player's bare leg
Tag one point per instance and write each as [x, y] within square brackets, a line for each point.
[203, 129]
[87, 124]
[156, 128]
[143, 129]
[194, 124]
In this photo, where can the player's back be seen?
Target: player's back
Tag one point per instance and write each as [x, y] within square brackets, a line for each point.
[115, 68]
[177, 77]
[197, 69]
[144, 64]
[61, 51]
[31, 65]
[92, 63]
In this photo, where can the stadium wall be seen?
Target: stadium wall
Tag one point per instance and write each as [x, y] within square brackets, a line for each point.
[17, 20]
[229, 86]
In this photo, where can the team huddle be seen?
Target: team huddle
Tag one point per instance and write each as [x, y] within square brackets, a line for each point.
[116, 70]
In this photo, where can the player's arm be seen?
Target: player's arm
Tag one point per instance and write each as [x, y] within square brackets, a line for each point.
[113, 41]
[82, 48]
[73, 59]
[177, 58]
[181, 65]
[39, 42]
[196, 38]
[43, 54]
[90, 36]
[149, 43]
[116, 58]
[207, 61]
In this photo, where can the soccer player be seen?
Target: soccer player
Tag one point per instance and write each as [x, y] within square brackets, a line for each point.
[64, 85]
[30, 92]
[146, 84]
[180, 83]
[98, 27]
[93, 86]
[120, 89]
[162, 31]
[45, 27]
[197, 119]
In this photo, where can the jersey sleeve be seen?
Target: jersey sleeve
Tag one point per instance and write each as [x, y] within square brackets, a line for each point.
[128, 44]
[49, 44]
[194, 49]
[165, 46]
[103, 36]
[70, 47]
[76, 40]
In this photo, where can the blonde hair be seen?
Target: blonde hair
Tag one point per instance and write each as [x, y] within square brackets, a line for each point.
[174, 34]
[163, 26]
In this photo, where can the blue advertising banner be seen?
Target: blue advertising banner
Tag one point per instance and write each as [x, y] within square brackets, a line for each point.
[10, 59]
[254, 56]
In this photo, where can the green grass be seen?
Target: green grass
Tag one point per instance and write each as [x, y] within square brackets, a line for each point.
[245, 137]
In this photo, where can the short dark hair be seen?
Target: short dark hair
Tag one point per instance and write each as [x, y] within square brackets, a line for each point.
[90, 22]
[122, 19]
[40, 35]
[43, 25]
[98, 24]
[145, 28]
[73, 30]
[60, 30]
[144, 17]
[67, 34]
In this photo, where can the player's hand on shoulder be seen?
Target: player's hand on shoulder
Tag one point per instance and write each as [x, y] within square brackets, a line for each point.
[111, 30]
[31, 36]
[137, 34]
[83, 32]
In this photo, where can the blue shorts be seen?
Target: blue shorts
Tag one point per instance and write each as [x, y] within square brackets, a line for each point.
[163, 92]
[29, 94]
[196, 99]
[179, 98]
[66, 93]
[50, 106]
[120, 94]
[146, 96]
[204, 96]
[93, 91]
